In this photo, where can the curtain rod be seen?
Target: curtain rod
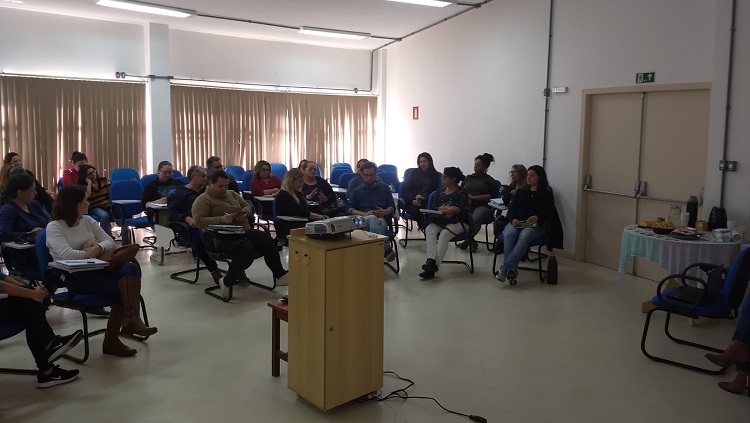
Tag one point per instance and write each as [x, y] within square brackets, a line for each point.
[136, 79]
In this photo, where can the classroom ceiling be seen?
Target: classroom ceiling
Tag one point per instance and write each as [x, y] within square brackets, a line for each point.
[377, 17]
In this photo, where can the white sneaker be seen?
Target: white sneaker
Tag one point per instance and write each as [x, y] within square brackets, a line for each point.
[501, 276]
[283, 280]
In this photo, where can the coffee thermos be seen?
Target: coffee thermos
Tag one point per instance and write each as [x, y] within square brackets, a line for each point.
[692, 209]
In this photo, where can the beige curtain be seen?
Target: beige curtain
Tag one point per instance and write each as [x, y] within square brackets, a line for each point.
[243, 127]
[45, 120]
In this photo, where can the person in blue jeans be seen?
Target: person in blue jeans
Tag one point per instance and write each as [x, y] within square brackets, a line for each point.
[531, 208]
[738, 352]
[373, 201]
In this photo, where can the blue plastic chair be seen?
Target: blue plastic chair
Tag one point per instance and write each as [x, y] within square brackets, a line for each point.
[124, 174]
[390, 179]
[407, 218]
[697, 301]
[336, 174]
[387, 168]
[345, 179]
[278, 169]
[71, 298]
[341, 165]
[146, 179]
[9, 330]
[123, 196]
[177, 174]
[466, 234]
[237, 172]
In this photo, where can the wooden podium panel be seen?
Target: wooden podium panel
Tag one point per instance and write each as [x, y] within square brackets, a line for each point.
[335, 317]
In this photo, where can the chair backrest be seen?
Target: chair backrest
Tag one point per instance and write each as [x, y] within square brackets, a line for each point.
[176, 174]
[388, 168]
[391, 179]
[43, 257]
[278, 169]
[430, 199]
[735, 284]
[341, 165]
[345, 179]
[237, 172]
[247, 178]
[146, 179]
[127, 190]
[336, 174]
[124, 174]
[184, 179]
[407, 172]
[59, 184]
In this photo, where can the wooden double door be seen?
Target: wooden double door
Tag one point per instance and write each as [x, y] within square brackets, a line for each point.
[644, 152]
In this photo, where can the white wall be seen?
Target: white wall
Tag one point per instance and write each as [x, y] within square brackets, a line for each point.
[479, 77]
[47, 44]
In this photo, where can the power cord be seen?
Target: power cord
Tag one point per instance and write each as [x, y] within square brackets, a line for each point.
[402, 394]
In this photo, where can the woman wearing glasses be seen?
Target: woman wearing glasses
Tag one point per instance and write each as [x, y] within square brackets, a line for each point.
[97, 192]
[263, 182]
[157, 190]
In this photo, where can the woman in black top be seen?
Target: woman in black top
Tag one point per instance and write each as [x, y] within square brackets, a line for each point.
[480, 187]
[43, 196]
[531, 208]
[451, 201]
[319, 190]
[418, 185]
[290, 201]
[517, 181]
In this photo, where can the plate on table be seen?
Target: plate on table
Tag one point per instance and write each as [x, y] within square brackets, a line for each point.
[662, 231]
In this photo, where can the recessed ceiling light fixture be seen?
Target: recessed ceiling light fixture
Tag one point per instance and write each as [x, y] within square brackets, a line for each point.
[139, 6]
[433, 3]
[324, 32]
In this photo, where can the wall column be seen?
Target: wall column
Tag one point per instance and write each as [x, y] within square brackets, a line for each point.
[158, 104]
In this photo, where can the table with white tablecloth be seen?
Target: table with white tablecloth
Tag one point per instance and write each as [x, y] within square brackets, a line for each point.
[671, 253]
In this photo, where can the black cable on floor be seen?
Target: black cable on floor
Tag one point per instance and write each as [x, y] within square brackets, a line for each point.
[402, 394]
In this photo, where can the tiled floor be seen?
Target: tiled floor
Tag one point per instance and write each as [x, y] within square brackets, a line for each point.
[530, 353]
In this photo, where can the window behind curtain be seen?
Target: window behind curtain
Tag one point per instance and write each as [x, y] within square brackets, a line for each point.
[243, 127]
[45, 120]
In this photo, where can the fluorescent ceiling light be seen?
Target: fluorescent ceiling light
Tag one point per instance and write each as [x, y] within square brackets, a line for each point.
[323, 32]
[139, 6]
[433, 3]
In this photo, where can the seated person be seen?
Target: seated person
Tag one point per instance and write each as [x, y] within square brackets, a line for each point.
[156, 191]
[43, 195]
[221, 206]
[26, 307]
[21, 217]
[421, 182]
[737, 352]
[180, 207]
[507, 192]
[97, 192]
[374, 201]
[357, 180]
[263, 183]
[70, 176]
[290, 201]
[534, 204]
[319, 190]
[214, 163]
[452, 202]
[481, 187]
[72, 235]
[302, 165]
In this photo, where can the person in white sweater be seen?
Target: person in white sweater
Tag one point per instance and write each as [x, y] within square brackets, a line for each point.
[70, 236]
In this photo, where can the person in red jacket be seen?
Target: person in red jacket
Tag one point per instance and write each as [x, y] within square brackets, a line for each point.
[263, 183]
[70, 176]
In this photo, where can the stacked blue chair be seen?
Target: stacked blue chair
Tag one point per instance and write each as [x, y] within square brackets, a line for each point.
[124, 174]
[345, 179]
[146, 179]
[341, 165]
[237, 172]
[336, 174]
[387, 168]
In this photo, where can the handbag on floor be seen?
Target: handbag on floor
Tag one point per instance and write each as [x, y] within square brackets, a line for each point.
[552, 270]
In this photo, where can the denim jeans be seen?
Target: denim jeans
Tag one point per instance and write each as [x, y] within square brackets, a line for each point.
[516, 242]
[105, 220]
[378, 225]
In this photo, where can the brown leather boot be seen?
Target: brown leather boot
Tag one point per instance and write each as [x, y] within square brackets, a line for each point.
[736, 352]
[740, 384]
[112, 344]
[130, 293]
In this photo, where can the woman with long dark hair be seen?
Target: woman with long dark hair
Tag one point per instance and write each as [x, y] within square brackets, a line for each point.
[418, 185]
[480, 187]
[43, 195]
[97, 191]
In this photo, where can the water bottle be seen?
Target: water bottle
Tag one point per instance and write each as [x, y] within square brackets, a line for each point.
[692, 209]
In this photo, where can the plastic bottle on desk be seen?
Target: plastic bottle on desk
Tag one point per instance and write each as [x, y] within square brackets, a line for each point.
[692, 209]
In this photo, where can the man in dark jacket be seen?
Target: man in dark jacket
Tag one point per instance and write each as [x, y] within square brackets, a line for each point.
[214, 163]
[180, 206]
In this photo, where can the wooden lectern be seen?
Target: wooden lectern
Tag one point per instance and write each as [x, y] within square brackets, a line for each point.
[335, 317]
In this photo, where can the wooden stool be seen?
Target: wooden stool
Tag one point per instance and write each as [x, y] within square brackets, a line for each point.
[279, 312]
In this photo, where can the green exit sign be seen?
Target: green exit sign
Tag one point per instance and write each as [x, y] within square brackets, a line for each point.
[642, 78]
